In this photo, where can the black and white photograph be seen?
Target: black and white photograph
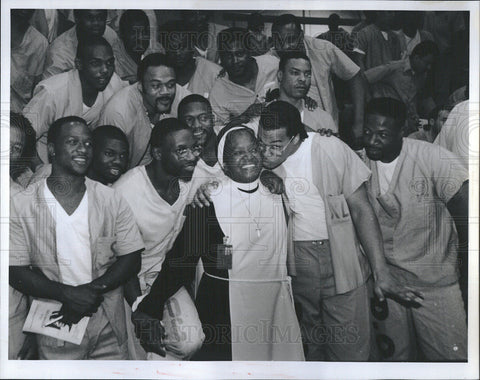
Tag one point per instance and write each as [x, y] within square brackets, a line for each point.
[240, 190]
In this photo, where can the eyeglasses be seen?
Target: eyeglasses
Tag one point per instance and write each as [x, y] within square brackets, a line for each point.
[183, 152]
[203, 118]
[274, 149]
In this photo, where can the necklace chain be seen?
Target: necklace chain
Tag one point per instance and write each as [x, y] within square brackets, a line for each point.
[258, 229]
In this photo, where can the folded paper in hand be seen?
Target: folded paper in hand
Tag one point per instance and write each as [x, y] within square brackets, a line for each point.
[40, 317]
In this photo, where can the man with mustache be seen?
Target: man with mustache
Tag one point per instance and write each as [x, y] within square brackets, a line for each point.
[244, 299]
[87, 248]
[326, 59]
[158, 194]
[420, 196]
[248, 79]
[90, 23]
[137, 107]
[80, 92]
[193, 72]
[295, 77]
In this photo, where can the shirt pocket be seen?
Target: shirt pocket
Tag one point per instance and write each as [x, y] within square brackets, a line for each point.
[105, 253]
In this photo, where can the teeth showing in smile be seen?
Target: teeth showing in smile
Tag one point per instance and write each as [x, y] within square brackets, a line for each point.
[248, 166]
[115, 171]
[81, 161]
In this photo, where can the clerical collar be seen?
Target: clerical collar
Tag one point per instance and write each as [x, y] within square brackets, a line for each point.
[247, 187]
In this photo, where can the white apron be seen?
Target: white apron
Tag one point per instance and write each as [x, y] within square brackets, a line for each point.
[264, 325]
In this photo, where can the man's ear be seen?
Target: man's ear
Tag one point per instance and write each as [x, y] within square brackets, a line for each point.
[51, 149]
[78, 64]
[156, 153]
[279, 76]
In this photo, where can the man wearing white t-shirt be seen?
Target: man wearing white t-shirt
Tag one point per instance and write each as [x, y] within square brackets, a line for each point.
[75, 241]
[330, 217]
[158, 193]
[420, 195]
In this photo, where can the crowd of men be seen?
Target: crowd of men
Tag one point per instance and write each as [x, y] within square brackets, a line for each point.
[199, 196]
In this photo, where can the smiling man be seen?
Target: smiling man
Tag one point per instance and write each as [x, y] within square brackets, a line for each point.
[89, 247]
[195, 111]
[110, 154]
[421, 200]
[81, 92]
[158, 194]
[90, 23]
[137, 108]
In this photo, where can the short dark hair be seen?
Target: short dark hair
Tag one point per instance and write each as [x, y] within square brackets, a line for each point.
[173, 31]
[78, 13]
[154, 59]
[57, 125]
[104, 132]
[131, 15]
[85, 44]
[425, 48]
[282, 20]
[280, 114]
[388, 107]
[230, 35]
[29, 147]
[163, 128]
[287, 56]
[193, 98]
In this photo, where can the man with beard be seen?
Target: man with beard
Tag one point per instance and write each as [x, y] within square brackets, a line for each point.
[248, 79]
[136, 108]
[89, 246]
[194, 73]
[326, 60]
[420, 197]
[157, 194]
[134, 32]
[80, 92]
[331, 217]
[28, 49]
[244, 299]
[90, 23]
